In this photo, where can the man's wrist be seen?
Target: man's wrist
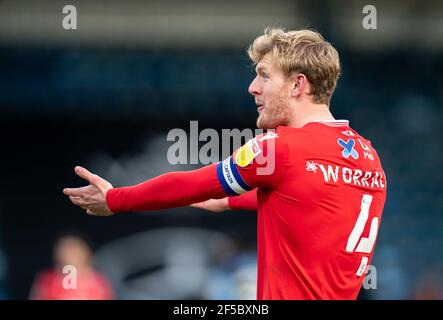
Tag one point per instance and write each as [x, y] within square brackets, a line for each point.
[110, 201]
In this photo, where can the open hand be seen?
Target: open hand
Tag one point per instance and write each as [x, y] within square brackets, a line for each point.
[92, 198]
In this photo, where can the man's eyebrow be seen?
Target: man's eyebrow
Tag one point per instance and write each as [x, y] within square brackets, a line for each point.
[260, 69]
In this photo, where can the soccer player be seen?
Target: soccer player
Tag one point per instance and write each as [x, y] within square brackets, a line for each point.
[318, 185]
[80, 281]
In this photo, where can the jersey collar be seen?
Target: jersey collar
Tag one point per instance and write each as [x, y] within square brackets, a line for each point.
[333, 123]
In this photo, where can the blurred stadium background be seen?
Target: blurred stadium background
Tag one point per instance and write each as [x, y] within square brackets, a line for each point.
[105, 96]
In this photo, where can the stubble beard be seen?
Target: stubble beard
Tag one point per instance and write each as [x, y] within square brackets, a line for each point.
[276, 113]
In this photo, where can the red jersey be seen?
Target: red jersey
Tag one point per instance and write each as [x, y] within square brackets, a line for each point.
[89, 286]
[321, 192]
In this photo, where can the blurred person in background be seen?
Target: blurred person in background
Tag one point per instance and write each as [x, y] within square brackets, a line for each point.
[73, 276]
[429, 286]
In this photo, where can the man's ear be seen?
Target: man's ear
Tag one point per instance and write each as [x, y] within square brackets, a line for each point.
[299, 82]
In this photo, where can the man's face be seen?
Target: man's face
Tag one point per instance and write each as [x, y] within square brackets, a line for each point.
[272, 93]
[72, 251]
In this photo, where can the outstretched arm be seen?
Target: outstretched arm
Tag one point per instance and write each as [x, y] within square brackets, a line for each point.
[169, 190]
[246, 201]
[253, 165]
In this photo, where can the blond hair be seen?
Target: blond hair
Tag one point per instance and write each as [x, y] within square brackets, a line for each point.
[301, 51]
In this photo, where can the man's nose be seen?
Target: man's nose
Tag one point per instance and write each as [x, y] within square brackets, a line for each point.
[254, 88]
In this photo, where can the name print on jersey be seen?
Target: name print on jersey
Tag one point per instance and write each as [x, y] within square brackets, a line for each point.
[357, 177]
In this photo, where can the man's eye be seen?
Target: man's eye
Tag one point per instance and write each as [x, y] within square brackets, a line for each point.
[265, 75]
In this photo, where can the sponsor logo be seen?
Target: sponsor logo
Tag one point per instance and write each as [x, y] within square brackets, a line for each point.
[247, 153]
[367, 153]
[348, 148]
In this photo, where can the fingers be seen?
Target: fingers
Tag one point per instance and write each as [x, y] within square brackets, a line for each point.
[93, 179]
[91, 198]
[199, 205]
[213, 205]
[78, 201]
[76, 192]
[85, 174]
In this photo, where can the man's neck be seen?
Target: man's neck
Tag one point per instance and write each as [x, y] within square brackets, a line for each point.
[309, 112]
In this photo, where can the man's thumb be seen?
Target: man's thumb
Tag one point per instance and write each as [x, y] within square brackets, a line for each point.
[85, 174]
